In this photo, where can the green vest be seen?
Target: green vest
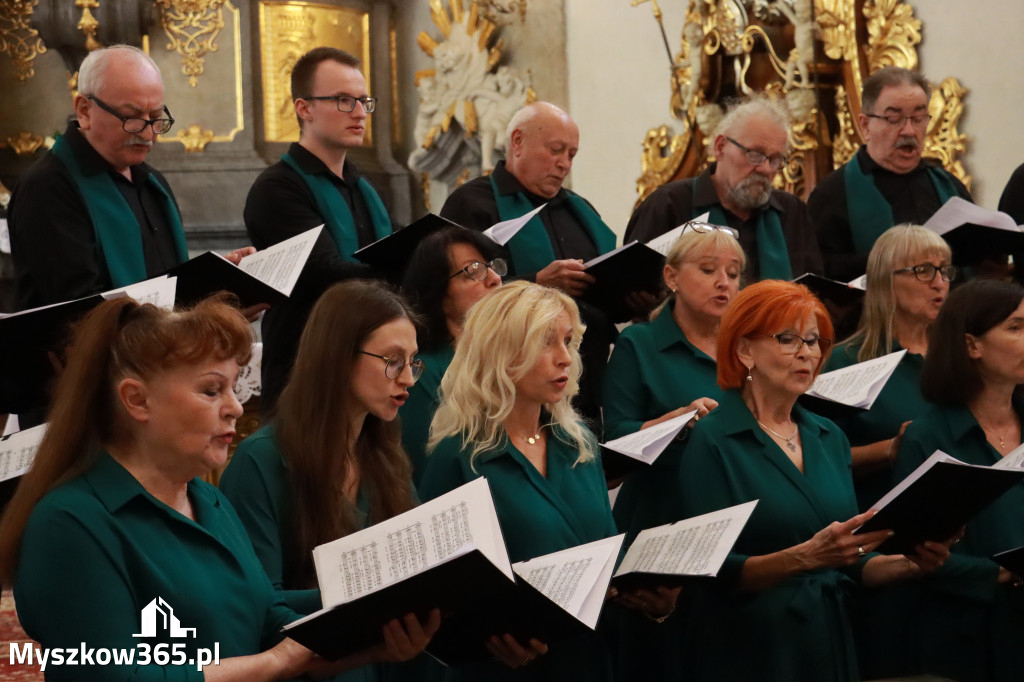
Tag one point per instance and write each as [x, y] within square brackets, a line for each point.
[118, 233]
[337, 215]
[530, 249]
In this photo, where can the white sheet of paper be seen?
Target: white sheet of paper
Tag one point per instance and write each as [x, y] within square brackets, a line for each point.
[576, 578]
[857, 385]
[5, 237]
[18, 450]
[281, 264]
[647, 444]
[958, 211]
[159, 291]
[697, 546]
[1014, 459]
[404, 545]
[662, 243]
[506, 229]
[859, 283]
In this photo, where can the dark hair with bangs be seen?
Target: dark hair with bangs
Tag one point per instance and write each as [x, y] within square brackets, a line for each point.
[426, 280]
[117, 339]
[950, 376]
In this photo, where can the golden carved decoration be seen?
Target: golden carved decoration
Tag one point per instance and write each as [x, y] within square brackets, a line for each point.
[661, 158]
[192, 26]
[893, 35]
[944, 142]
[845, 143]
[88, 24]
[25, 142]
[195, 138]
[289, 29]
[18, 39]
[837, 23]
[425, 189]
[463, 177]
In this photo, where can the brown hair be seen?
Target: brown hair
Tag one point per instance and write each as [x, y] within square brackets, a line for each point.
[117, 339]
[304, 71]
[886, 77]
[763, 308]
[313, 430]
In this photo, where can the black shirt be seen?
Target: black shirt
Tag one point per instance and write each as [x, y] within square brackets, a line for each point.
[672, 204]
[912, 197]
[56, 253]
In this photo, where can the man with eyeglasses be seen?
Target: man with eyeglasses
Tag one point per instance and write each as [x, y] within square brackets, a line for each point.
[91, 214]
[316, 183]
[886, 182]
[774, 227]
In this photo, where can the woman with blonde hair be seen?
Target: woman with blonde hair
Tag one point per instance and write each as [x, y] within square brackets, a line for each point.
[113, 516]
[659, 370]
[908, 279]
[505, 414]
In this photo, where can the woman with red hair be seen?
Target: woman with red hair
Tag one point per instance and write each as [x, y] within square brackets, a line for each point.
[778, 611]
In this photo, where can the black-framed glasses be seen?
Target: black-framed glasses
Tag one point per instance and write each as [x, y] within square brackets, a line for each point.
[134, 124]
[926, 272]
[477, 271]
[704, 228]
[789, 343]
[919, 121]
[347, 103]
[394, 365]
[756, 158]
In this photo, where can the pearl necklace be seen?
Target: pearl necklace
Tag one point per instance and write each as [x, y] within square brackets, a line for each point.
[789, 440]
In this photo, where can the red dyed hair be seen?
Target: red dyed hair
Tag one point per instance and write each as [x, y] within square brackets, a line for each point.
[765, 308]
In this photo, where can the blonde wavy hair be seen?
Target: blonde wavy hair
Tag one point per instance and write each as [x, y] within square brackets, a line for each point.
[894, 248]
[503, 338]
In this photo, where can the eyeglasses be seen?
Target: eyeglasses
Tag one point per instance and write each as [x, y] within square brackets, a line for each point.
[477, 271]
[756, 158]
[790, 343]
[899, 120]
[347, 103]
[704, 228]
[926, 272]
[395, 365]
[131, 124]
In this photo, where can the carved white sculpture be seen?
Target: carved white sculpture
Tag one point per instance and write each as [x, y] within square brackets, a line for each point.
[800, 57]
[694, 34]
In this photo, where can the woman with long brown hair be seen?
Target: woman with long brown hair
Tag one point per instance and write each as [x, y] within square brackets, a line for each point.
[112, 522]
[330, 462]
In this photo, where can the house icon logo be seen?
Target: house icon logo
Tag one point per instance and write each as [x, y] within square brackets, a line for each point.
[158, 615]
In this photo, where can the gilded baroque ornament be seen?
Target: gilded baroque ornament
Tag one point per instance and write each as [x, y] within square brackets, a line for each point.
[467, 99]
[192, 26]
[25, 143]
[88, 24]
[195, 138]
[18, 40]
[806, 52]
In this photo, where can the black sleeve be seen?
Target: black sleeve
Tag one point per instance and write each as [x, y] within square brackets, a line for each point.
[1012, 199]
[801, 240]
[53, 243]
[827, 209]
[281, 206]
[472, 205]
[666, 208]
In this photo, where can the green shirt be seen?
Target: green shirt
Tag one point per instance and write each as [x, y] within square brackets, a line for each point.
[899, 401]
[538, 515]
[418, 411]
[798, 629]
[99, 548]
[653, 370]
[968, 626]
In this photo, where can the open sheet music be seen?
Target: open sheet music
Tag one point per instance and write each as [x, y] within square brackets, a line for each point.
[695, 547]
[857, 385]
[18, 450]
[936, 499]
[159, 291]
[958, 211]
[281, 264]
[1014, 459]
[646, 445]
[576, 578]
[662, 243]
[502, 232]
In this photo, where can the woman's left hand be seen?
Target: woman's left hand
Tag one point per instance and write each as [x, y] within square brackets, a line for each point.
[929, 555]
[406, 638]
[657, 603]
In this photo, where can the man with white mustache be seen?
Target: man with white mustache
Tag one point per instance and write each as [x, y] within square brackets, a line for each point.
[886, 183]
[91, 215]
[750, 145]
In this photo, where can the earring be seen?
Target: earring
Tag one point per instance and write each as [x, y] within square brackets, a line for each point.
[750, 378]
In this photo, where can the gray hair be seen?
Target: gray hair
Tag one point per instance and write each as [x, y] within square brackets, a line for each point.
[758, 106]
[94, 66]
[888, 77]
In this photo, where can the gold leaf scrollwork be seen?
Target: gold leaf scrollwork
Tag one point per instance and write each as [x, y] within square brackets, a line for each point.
[192, 26]
[837, 21]
[18, 39]
[88, 24]
[663, 152]
[25, 143]
[845, 143]
[944, 142]
[803, 140]
[195, 138]
[893, 33]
